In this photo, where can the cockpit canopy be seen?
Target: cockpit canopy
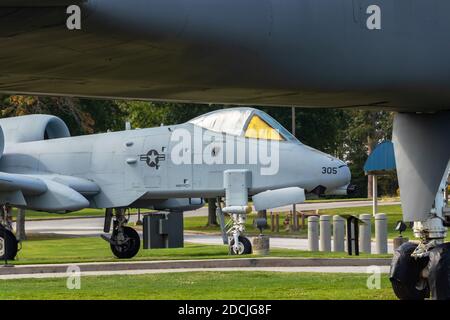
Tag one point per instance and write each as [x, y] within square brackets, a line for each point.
[247, 122]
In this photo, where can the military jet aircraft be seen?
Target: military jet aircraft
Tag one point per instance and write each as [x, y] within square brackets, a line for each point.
[43, 168]
[372, 54]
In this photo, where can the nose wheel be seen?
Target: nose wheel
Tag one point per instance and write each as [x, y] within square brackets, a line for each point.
[238, 244]
[243, 246]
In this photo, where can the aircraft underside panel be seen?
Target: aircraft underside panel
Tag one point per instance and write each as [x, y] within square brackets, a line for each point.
[422, 152]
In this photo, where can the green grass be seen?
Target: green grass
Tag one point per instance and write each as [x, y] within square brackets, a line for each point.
[87, 249]
[202, 285]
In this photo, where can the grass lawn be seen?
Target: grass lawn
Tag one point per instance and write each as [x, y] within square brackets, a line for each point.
[87, 249]
[202, 285]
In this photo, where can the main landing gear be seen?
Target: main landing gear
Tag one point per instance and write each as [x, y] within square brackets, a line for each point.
[421, 271]
[8, 242]
[124, 241]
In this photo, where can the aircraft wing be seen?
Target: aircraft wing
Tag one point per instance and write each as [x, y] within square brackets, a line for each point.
[38, 3]
[53, 193]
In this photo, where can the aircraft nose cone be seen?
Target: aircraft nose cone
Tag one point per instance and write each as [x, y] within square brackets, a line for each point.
[345, 173]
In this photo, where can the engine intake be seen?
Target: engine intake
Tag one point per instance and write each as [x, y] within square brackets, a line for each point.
[34, 127]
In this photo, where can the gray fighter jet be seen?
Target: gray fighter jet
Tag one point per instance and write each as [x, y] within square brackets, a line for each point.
[372, 54]
[237, 152]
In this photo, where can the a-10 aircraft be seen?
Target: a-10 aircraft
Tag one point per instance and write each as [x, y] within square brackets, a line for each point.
[369, 54]
[238, 150]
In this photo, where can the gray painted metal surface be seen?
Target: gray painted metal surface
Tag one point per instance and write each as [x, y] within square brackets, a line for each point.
[291, 52]
[43, 168]
[422, 151]
[163, 230]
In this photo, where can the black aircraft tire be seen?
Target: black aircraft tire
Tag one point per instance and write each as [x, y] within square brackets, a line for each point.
[439, 272]
[244, 244]
[8, 245]
[405, 274]
[130, 248]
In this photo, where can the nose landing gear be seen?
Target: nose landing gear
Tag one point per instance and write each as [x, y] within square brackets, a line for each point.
[239, 244]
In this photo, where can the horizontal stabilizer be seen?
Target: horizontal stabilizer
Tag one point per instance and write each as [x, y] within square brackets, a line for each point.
[38, 3]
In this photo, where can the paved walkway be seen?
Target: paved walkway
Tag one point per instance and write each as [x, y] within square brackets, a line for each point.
[383, 269]
[326, 265]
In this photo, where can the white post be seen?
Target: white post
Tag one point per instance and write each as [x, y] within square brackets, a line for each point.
[294, 207]
[381, 245]
[325, 233]
[375, 194]
[365, 237]
[338, 234]
[313, 233]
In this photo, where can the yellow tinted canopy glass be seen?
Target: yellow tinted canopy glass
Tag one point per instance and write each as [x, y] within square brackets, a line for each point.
[259, 129]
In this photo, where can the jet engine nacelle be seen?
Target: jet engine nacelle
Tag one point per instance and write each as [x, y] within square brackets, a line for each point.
[34, 127]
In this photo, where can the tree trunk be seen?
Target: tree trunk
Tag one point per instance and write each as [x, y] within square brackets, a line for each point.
[20, 225]
[212, 218]
[262, 214]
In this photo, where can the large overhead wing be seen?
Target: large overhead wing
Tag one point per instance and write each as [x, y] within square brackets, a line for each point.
[53, 193]
[38, 3]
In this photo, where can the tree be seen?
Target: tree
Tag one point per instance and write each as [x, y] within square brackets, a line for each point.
[365, 130]
[20, 225]
[212, 218]
[69, 109]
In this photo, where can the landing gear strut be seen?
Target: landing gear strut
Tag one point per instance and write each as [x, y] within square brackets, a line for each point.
[8, 242]
[238, 243]
[124, 241]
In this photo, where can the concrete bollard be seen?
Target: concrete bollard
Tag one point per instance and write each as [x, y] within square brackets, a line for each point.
[313, 233]
[338, 234]
[261, 245]
[325, 233]
[365, 233]
[398, 241]
[381, 245]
